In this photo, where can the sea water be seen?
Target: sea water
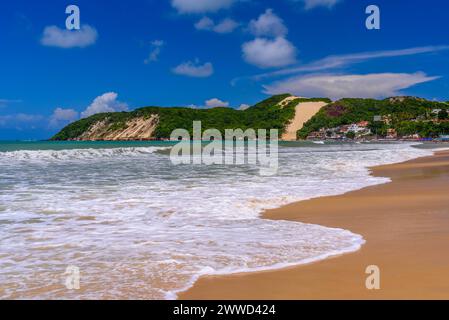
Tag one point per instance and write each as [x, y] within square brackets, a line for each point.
[138, 227]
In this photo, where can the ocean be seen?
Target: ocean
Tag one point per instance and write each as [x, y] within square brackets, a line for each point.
[138, 227]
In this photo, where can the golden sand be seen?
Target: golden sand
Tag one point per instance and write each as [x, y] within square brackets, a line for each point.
[405, 224]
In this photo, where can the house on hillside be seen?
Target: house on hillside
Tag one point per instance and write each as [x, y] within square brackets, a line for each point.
[387, 119]
[344, 129]
[392, 134]
[317, 135]
[363, 124]
[361, 128]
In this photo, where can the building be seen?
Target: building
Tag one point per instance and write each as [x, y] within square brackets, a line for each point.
[359, 128]
[317, 135]
[392, 134]
[363, 124]
[387, 119]
[412, 137]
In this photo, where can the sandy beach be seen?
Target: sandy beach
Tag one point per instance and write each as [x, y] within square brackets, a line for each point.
[406, 227]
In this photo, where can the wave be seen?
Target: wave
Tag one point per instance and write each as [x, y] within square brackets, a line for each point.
[78, 154]
[137, 230]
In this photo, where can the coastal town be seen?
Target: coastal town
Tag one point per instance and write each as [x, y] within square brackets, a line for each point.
[383, 128]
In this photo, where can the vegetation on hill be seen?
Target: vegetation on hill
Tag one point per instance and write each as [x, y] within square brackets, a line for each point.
[407, 115]
[267, 114]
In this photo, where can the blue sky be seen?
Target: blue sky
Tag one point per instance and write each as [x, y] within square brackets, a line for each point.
[206, 53]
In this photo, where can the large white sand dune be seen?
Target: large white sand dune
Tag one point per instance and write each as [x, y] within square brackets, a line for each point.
[304, 112]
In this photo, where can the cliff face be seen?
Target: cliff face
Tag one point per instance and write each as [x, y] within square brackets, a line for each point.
[283, 112]
[134, 129]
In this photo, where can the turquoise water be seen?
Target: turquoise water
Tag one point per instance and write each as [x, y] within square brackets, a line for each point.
[68, 145]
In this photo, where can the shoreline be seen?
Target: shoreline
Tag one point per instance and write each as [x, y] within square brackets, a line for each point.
[393, 219]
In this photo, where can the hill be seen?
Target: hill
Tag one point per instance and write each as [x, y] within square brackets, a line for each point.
[294, 117]
[397, 116]
[149, 123]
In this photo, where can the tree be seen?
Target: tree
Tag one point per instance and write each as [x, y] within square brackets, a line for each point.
[443, 115]
[350, 135]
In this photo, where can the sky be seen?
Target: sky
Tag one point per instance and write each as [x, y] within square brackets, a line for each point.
[210, 53]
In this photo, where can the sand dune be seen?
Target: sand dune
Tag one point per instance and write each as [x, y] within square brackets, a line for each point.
[304, 112]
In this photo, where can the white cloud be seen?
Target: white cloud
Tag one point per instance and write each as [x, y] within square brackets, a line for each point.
[194, 69]
[311, 4]
[225, 26]
[62, 38]
[156, 51]
[205, 23]
[62, 116]
[244, 107]
[211, 103]
[200, 6]
[19, 120]
[266, 53]
[268, 24]
[339, 61]
[105, 103]
[378, 85]
[216, 103]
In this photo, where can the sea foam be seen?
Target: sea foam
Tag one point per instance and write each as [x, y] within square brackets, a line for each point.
[139, 227]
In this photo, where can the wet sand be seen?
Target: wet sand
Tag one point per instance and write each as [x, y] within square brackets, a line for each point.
[406, 227]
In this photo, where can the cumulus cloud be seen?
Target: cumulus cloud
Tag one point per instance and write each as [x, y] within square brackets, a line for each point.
[205, 23]
[224, 26]
[62, 117]
[156, 46]
[267, 53]
[211, 103]
[194, 69]
[54, 36]
[379, 85]
[268, 24]
[200, 6]
[216, 103]
[244, 107]
[105, 103]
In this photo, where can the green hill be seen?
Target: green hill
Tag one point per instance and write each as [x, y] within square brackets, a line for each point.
[267, 114]
[406, 115]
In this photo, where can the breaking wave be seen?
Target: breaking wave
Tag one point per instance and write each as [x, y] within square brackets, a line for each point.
[78, 154]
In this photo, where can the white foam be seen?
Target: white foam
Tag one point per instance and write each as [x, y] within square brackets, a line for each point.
[139, 227]
[77, 154]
